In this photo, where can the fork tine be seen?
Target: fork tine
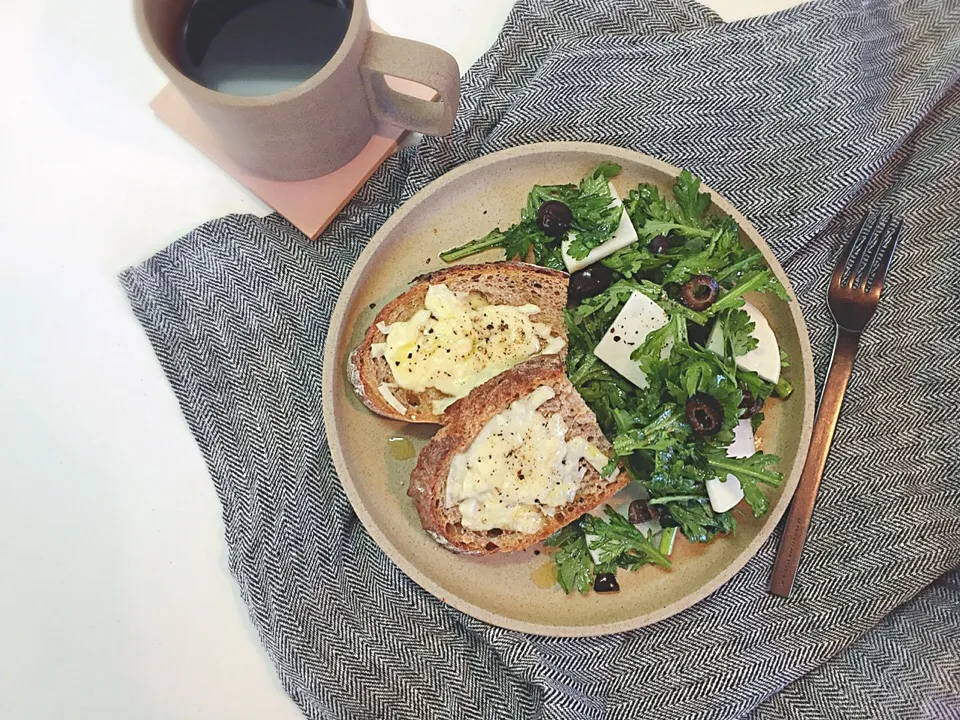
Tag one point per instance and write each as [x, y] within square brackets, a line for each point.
[876, 286]
[864, 272]
[868, 242]
[869, 270]
[845, 253]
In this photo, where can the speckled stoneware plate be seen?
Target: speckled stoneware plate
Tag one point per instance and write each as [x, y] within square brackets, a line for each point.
[507, 590]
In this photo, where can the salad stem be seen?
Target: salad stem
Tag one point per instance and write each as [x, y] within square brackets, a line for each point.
[580, 375]
[493, 239]
[667, 538]
[722, 467]
[784, 389]
[737, 267]
[729, 299]
[674, 498]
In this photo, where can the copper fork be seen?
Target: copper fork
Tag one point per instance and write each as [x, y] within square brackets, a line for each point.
[852, 297]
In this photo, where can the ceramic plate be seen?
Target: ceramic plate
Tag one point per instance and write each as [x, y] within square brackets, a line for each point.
[507, 590]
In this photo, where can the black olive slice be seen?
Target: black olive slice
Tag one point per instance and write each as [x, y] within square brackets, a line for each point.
[699, 292]
[704, 414]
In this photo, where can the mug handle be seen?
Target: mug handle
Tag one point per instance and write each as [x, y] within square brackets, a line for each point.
[421, 63]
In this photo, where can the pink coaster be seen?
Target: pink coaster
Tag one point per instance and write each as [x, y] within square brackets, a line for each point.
[309, 205]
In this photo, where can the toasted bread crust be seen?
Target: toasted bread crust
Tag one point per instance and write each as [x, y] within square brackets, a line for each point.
[502, 283]
[466, 418]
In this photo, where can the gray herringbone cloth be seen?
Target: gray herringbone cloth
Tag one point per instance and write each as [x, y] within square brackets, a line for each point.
[802, 119]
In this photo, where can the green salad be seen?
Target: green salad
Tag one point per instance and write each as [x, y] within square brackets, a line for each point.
[666, 351]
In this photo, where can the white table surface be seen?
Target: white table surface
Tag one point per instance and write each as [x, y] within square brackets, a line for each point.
[115, 600]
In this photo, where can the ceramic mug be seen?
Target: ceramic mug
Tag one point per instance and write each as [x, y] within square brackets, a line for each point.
[318, 126]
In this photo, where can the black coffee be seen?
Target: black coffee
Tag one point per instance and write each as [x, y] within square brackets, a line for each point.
[261, 47]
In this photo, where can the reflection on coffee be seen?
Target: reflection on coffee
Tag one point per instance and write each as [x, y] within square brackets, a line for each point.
[260, 47]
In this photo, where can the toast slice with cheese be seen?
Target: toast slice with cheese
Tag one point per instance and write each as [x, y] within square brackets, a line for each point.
[484, 483]
[412, 363]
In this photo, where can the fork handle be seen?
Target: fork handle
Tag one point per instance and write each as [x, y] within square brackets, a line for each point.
[801, 509]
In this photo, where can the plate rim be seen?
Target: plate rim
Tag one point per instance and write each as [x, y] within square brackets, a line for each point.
[331, 366]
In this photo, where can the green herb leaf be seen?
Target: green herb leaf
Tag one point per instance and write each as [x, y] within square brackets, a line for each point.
[698, 522]
[704, 262]
[547, 254]
[575, 569]
[776, 287]
[646, 203]
[607, 171]
[595, 215]
[784, 359]
[608, 301]
[671, 307]
[658, 435]
[749, 471]
[545, 193]
[652, 228]
[737, 328]
[652, 348]
[616, 540]
[635, 259]
[733, 298]
[691, 201]
[519, 238]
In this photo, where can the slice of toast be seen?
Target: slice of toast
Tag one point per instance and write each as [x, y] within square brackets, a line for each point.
[500, 283]
[466, 418]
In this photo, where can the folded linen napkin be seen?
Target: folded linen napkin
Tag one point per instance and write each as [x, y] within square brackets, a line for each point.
[803, 119]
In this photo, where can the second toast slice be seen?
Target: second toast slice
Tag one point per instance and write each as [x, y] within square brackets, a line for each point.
[518, 458]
